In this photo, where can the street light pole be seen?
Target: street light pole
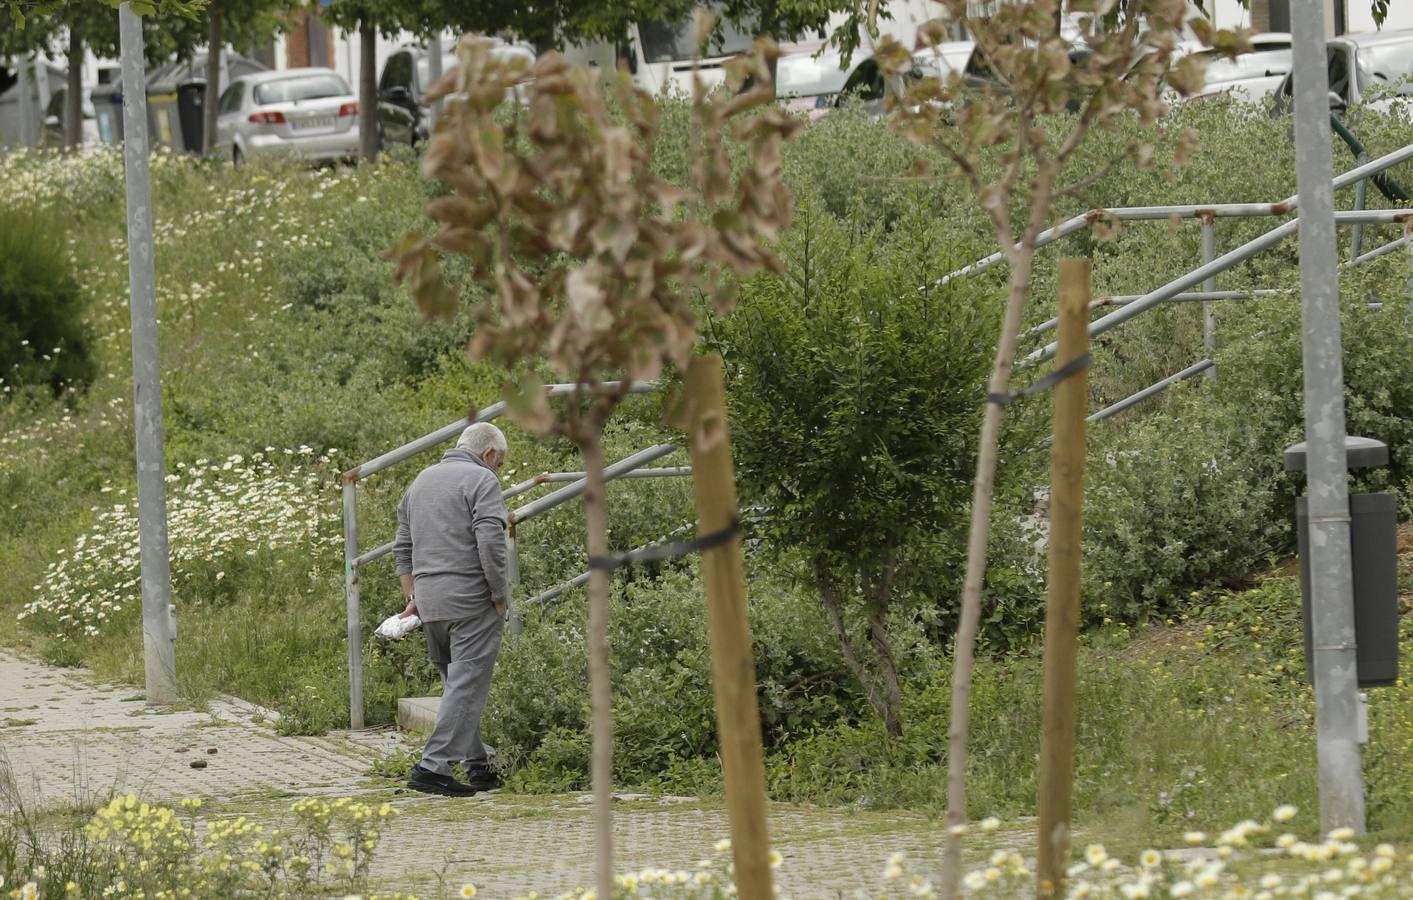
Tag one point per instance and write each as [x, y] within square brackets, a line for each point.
[1331, 574]
[158, 623]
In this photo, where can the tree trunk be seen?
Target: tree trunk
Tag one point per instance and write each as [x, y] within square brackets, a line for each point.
[831, 598]
[73, 93]
[213, 79]
[368, 95]
[891, 689]
[965, 647]
[600, 694]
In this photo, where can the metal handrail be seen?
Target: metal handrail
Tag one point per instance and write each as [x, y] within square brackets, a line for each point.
[1153, 389]
[1184, 211]
[447, 432]
[569, 492]
[555, 477]
[1226, 261]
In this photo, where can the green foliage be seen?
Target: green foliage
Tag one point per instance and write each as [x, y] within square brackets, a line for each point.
[855, 395]
[664, 716]
[854, 391]
[1180, 726]
[1197, 494]
[281, 327]
[1175, 503]
[44, 339]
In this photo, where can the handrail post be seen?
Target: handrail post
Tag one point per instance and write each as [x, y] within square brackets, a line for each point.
[1361, 197]
[355, 614]
[1408, 242]
[512, 578]
[1209, 253]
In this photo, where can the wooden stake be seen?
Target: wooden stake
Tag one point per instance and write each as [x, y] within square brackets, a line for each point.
[728, 626]
[1067, 453]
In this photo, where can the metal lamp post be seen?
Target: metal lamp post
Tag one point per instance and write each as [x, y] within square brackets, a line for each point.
[1332, 596]
[158, 621]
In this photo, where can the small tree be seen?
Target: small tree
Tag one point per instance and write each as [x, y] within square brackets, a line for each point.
[853, 396]
[593, 259]
[1012, 143]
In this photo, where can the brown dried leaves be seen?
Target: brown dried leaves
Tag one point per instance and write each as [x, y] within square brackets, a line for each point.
[592, 257]
[1127, 61]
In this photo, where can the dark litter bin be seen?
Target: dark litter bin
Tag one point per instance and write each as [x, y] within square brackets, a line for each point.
[1373, 541]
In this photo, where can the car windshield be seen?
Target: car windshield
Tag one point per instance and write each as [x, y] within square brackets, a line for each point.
[672, 41]
[1260, 64]
[1391, 64]
[303, 87]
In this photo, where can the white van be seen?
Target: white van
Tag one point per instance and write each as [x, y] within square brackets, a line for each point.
[659, 54]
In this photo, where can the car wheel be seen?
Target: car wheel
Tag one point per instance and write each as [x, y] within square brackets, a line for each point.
[237, 158]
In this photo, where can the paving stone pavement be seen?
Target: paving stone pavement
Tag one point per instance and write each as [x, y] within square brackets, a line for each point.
[67, 738]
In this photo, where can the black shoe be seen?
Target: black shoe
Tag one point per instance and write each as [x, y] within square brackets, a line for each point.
[482, 778]
[429, 782]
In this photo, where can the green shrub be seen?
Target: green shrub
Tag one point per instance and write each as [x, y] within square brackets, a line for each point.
[663, 704]
[1174, 503]
[44, 339]
[855, 398]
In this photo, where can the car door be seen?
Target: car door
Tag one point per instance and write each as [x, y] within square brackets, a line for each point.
[397, 107]
[227, 117]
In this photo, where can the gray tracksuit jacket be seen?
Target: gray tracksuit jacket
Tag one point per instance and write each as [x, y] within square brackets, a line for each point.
[451, 538]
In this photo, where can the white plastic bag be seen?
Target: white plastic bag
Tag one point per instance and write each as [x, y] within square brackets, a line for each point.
[395, 627]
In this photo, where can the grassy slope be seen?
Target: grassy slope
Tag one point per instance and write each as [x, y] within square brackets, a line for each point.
[255, 357]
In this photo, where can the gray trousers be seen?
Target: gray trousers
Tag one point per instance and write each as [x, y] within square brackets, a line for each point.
[464, 652]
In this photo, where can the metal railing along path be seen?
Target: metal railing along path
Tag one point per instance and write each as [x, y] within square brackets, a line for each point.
[1184, 211]
[1203, 278]
[354, 561]
[1196, 368]
[1275, 236]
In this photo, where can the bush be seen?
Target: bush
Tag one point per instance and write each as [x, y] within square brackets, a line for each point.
[1175, 503]
[856, 395]
[537, 716]
[44, 339]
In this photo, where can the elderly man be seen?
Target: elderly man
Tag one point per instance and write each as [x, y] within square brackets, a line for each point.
[451, 557]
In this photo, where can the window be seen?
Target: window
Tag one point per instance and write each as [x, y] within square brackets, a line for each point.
[397, 72]
[302, 87]
[672, 41]
[1339, 71]
[424, 68]
[231, 98]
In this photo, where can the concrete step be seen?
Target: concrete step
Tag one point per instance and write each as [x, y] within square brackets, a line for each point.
[418, 714]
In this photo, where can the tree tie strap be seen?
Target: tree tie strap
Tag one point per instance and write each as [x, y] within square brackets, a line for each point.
[611, 561]
[1073, 367]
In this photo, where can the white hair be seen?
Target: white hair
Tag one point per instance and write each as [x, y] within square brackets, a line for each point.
[480, 437]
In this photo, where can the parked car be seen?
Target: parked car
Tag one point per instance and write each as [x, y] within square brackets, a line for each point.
[1358, 64]
[403, 85]
[310, 113]
[1253, 77]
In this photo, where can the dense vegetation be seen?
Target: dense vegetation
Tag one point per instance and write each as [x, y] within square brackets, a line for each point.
[289, 354]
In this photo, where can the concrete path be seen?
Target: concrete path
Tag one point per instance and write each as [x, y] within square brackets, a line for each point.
[68, 740]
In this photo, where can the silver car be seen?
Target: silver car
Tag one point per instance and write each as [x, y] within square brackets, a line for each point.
[309, 113]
